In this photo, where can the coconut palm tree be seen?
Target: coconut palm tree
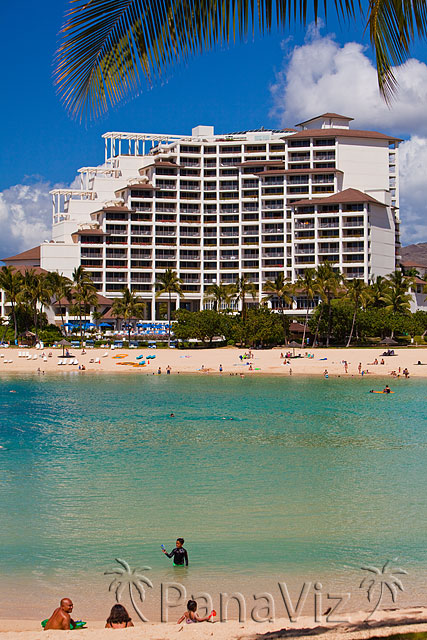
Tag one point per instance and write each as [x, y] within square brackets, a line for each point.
[169, 283]
[127, 307]
[378, 290]
[60, 289]
[242, 288]
[307, 284]
[35, 291]
[327, 283]
[83, 293]
[282, 289]
[11, 283]
[132, 579]
[220, 293]
[107, 47]
[358, 293]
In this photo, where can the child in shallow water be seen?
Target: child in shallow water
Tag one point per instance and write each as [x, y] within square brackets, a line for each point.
[191, 614]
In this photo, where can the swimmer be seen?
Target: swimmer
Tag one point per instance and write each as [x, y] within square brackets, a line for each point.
[172, 415]
[12, 391]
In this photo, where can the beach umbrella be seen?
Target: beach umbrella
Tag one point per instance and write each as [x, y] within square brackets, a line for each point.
[105, 324]
[64, 343]
[294, 345]
[389, 342]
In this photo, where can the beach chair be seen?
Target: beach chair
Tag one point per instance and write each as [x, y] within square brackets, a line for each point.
[35, 356]
[70, 362]
[59, 363]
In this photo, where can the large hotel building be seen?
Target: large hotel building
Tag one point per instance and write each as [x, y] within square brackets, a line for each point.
[214, 207]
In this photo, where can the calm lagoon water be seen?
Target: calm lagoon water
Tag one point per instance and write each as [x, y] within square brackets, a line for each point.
[267, 479]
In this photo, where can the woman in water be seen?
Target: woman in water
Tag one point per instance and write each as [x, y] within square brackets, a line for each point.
[118, 618]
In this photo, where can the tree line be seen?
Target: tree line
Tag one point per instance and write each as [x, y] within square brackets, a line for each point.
[343, 309]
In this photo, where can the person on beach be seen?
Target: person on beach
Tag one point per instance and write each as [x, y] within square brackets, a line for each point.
[220, 368]
[159, 371]
[179, 554]
[359, 368]
[60, 618]
[191, 614]
[168, 370]
[118, 618]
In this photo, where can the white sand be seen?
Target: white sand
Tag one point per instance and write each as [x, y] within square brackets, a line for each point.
[191, 361]
[382, 624]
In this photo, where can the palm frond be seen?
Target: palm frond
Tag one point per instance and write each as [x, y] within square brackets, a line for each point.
[393, 25]
[107, 46]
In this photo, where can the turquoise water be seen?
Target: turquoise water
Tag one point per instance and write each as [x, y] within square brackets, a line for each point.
[265, 478]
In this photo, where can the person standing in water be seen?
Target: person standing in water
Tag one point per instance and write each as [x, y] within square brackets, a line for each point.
[179, 554]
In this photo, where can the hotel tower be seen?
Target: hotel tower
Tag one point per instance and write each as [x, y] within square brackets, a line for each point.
[214, 207]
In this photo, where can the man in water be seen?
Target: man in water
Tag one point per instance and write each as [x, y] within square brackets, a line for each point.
[179, 554]
[386, 389]
[60, 618]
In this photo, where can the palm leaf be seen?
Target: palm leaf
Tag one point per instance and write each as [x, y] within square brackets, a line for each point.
[393, 24]
[106, 46]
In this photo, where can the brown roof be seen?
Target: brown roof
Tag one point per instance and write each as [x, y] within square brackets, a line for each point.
[261, 163]
[275, 172]
[102, 300]
[411, 263]
[325, 115]
[342, 197]
[342, 133]
[30, 254]
[420, 281]
[91, 232]
[22, 268]
[165, 163]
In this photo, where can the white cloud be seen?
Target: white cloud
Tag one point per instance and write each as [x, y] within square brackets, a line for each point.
[413, 180]
[25, 217]
[322, 76]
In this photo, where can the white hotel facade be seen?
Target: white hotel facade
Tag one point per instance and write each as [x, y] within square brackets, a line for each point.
[216, 207]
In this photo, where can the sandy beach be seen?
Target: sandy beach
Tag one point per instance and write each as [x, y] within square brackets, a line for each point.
[381, 624]
[209, 361]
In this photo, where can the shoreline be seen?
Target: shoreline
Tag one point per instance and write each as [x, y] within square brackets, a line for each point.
[383, 623]
[209, 361]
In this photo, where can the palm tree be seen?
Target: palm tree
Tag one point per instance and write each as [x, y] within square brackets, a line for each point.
[378, 290]
[384, 577]
[282, 289]
[84, 292]
[107, 46]
[241, 289]
[36, 292]
[132, 579]
[358, 293]
[60, 288]
[127, 307]
[327, 283]
[397, 297]
[307, 284]
[169, 283]
[11, 283]
[221, 293]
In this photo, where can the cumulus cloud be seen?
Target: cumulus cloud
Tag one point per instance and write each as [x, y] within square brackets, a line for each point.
[321, 75]
[413, 163]
[25, 216]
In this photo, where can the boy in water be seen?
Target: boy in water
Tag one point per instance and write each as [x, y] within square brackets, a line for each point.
[179, 554]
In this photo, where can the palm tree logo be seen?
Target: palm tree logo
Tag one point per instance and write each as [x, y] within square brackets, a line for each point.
[380, 579]
[133, 579]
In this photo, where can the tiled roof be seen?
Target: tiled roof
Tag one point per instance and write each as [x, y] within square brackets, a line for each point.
[342, 133]
[30, 254]
[342, 197]
[325, 115]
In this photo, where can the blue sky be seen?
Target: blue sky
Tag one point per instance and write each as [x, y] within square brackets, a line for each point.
[230, 88]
